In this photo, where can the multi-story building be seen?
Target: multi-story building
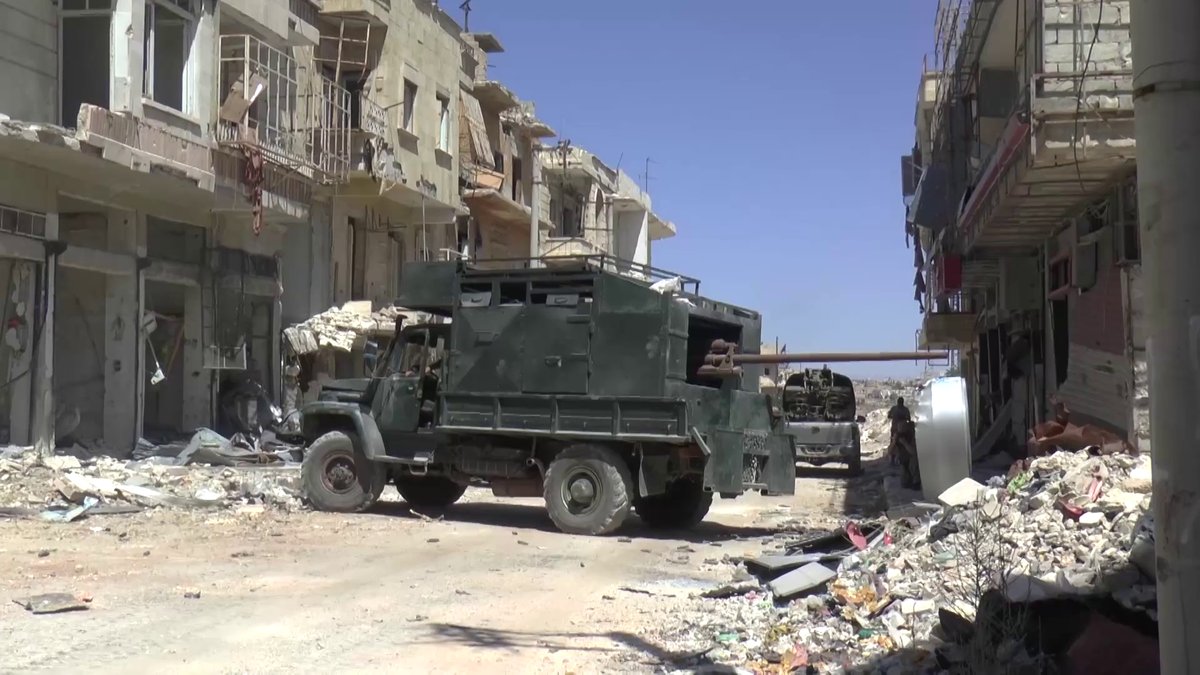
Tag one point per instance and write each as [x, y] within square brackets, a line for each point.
[1021, 196]
[595, 209]
[180, 179]
[156, 156]
[499, 138]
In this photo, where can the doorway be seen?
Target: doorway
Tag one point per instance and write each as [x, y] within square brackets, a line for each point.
[164, 372]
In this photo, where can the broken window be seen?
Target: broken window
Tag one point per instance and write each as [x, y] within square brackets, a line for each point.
[443, 123]
[518, 181]
[84, 48]
[410, 105]
[167, 44]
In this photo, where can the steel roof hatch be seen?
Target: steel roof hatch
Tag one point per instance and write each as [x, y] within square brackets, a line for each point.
[429, 287]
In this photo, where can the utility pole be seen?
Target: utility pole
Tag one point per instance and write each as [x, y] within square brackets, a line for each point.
[1167, 103]
[535, 208]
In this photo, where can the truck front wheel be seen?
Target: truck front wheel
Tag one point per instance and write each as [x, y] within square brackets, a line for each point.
[429, 492]
[337, 476]
[587, 490]
[683, 505]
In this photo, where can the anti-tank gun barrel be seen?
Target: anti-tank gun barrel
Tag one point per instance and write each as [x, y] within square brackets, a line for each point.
[723, 358]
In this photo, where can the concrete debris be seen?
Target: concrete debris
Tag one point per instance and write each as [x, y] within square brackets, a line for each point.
[807, 578]
[339, 328]
[208, 447]
[51, 603]
[935, 579]
[964, 491]
[31, 488]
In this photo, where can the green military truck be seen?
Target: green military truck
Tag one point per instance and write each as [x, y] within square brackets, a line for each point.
[588, 388]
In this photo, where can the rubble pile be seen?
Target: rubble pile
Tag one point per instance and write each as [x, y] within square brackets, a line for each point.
[924, 591]
[63, 487]
[338, 328]
[877, 427]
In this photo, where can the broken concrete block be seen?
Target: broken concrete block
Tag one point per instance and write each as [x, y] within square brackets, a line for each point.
[51, 603]
[807, 578]
[965, 491]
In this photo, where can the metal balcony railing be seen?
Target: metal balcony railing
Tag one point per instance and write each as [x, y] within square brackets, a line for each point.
[372, 117]
[283, 108]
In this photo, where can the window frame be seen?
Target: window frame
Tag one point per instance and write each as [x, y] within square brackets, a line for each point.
[184, 10]
[444, 123]
[408, 120]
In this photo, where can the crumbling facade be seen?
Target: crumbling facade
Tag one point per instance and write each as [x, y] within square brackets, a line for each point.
[180, 180]
[597, 210]
[1022, 202]
[156, 156]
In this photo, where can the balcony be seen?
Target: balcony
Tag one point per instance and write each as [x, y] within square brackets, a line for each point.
[283, 109]
[375, 12]
[1042, 171]
[949, 323]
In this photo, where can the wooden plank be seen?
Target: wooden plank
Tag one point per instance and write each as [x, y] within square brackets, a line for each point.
[479, 139]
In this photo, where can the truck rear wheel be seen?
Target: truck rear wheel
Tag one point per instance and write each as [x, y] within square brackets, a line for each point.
[587, 490]
[337, 476]
[683, 505]
[429, 492]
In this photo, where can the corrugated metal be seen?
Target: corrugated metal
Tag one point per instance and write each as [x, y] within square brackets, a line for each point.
[1097, 387]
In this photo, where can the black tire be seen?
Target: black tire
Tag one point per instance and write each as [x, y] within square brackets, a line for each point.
[337, 476]
[581, 469]
[429, 492]
[683, 505]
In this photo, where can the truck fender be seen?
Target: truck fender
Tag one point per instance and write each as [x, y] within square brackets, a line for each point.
[322, 416]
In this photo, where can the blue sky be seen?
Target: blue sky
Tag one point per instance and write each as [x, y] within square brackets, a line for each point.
[774, 130]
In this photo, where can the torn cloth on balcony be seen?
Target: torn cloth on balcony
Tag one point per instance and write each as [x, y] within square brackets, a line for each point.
[252, 176]
[919, 290]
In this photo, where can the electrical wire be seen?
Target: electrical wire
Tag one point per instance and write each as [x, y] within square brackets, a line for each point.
[1079, 92]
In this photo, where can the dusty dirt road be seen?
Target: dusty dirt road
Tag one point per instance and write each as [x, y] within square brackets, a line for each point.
[491, 587]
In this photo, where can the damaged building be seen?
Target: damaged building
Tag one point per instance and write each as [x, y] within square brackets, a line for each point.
[597, 210]
[1022, 203]
[156, 156]
[181, 180]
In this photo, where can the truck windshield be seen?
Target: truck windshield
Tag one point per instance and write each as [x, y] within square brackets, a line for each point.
[411, 354]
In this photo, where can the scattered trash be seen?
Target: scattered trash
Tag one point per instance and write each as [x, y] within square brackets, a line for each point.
[1061, 530]
[52, 603]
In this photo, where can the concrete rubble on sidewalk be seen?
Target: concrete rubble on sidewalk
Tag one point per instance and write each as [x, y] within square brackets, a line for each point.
[63, 488]
[1071, 528]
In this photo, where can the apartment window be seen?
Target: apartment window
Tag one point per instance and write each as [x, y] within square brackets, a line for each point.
[518, 180]
[410, 106]
[170, 25]
[443, 123]
[83, 40]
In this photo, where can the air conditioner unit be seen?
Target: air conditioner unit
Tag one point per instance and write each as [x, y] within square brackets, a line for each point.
[1085, 265]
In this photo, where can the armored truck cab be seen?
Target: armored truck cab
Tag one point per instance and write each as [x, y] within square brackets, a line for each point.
[820, 408]
[575, 384]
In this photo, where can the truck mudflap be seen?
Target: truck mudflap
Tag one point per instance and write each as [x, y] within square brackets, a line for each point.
[749, 459]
